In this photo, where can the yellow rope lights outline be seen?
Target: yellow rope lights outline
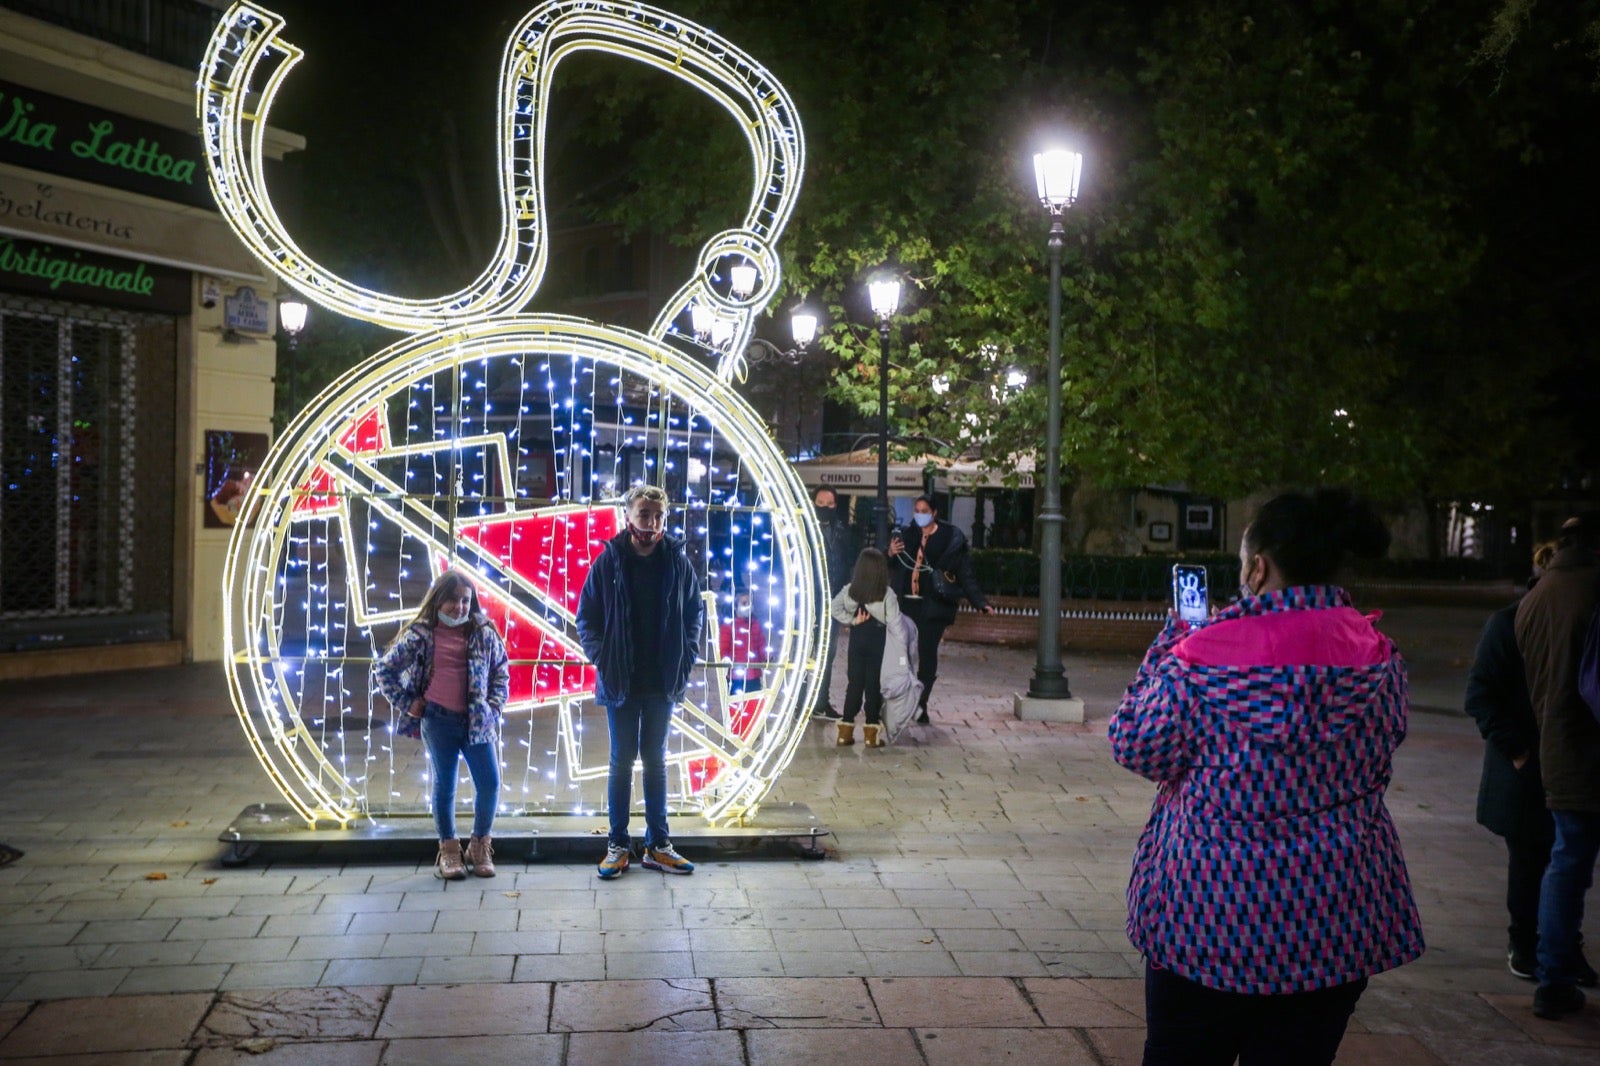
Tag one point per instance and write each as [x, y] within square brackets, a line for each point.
[247, 62]
[245, 65]
[751, 764]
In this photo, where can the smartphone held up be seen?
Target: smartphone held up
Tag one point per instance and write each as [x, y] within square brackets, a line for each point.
[1190, 597]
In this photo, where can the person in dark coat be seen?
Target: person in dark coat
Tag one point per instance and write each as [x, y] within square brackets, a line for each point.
[917, 553]
[1511, 799]
[639, 621]
[839, 555]
[1552, 620]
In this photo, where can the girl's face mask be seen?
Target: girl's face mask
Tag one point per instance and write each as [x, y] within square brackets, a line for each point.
[923, 518]
[743, 609]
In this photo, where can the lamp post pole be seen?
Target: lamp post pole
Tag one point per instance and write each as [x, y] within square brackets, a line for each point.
[1049, 677]
[1049, 697]
[884, 295]
[883, 434]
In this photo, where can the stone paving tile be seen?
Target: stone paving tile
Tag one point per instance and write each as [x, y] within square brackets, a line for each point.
[173, 978]
[880, 1047]
[540, 1050]
[1575, 1030]
[998, 964]
[421, 945]
[253, 975]
[559, 968]
[480, 922]
[389, 922]
[353, 1053]
[354, 946]
[660, 1006]
[768, 1003]
[726, 964]
[610, 1048]
[1087, 1004]
[1379, 1049]
[122, 1023]
[1403, 1010]
[946, 1002]
[162, 953]
[516, 943]
[1119, 1047]
[65, 984]
[964, 1046]
[10, 1015]
[292, 1015]
[649, 965]
[825, 963]
[393, 971]
[1467, 1052]
[355, 903]
[466, 969]
[443, 1011]
[162, 1057]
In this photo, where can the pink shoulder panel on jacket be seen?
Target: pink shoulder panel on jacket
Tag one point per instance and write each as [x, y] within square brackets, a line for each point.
[1333, 636]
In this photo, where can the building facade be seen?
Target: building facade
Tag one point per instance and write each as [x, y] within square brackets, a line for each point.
[137, 343]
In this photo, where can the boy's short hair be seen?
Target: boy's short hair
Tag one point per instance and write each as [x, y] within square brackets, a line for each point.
[645, 492]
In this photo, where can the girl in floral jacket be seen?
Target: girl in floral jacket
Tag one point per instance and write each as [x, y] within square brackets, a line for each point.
[1269, 883]
[448, 677]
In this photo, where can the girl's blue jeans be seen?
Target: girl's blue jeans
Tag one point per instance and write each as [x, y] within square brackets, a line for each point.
[445, 734]
[639, 732]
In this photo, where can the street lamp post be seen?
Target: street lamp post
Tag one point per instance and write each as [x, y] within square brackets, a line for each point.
[885, 297]
[292, 317]
[1049, 696]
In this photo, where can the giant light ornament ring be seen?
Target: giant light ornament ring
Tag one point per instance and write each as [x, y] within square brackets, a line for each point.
[499, 443]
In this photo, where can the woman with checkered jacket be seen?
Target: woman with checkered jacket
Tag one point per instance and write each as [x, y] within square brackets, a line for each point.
[1269, 883]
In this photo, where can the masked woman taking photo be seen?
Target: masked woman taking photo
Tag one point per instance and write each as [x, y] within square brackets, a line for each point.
[1269, 884]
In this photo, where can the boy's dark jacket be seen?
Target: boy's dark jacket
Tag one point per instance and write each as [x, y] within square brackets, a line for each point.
[605, 624]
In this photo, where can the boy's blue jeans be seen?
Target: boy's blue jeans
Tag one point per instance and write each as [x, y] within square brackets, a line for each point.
[639, 732]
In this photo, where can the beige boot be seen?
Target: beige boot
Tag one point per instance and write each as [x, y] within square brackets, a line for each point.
[847, 734]
[449, 866]
[872, 736]
[480, 856]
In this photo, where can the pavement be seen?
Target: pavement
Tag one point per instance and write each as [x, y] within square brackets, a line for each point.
[970, 909]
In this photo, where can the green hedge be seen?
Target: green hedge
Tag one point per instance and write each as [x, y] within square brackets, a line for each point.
[1015, 572]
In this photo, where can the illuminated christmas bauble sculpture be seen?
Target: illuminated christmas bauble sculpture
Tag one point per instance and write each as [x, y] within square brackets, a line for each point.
[500, 443]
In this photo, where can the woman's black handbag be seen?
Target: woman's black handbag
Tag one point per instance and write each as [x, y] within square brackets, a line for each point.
[942, 585]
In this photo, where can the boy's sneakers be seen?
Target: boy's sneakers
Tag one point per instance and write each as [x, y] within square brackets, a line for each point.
[666, 859]
[826, 713]
[1556, 1001]
[615, 862]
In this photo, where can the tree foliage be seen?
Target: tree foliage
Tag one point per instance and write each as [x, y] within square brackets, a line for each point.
[1327, 241]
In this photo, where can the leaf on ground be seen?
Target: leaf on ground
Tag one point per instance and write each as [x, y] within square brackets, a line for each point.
[157, 876]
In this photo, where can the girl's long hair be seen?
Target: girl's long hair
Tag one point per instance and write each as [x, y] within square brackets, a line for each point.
[445, 587]
[869, 581]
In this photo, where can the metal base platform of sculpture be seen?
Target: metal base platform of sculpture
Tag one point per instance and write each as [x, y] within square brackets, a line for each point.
[270, 824]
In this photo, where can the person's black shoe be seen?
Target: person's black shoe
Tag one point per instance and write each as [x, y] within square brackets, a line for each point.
[1522, 961]
[826, 713]
[1553, 1002]
[922, 716]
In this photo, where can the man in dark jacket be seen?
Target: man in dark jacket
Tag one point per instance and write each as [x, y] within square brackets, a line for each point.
[841, 557]
[1551, 623]
[1510, 793]
[639, 622]
[926, 559]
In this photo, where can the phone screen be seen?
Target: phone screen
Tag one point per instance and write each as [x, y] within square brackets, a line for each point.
[1190, 597]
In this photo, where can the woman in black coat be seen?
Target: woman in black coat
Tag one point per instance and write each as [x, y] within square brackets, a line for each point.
[929, 559]
[1510, 794]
